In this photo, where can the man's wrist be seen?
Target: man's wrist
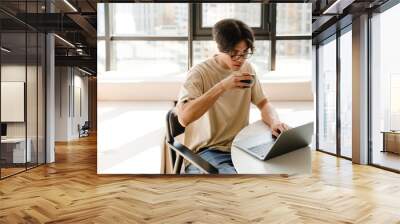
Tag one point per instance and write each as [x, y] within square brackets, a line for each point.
[221, 87]
[275, 121]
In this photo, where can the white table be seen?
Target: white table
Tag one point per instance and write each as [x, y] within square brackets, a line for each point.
[296, 162]
[18, 145]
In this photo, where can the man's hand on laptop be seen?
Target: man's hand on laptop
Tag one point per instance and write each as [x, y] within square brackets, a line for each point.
[278, 127]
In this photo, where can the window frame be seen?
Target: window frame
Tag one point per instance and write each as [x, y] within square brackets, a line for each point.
[266, 31]
[204, 33]
[370, 74]
[335, 36]
[343, 25]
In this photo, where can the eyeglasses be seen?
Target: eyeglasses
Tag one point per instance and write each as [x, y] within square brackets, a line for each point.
[236, 57]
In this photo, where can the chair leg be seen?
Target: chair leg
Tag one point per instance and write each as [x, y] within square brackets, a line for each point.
[178, 164]
[172, 159]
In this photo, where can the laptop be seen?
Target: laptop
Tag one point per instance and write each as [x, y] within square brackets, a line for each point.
[290, 140]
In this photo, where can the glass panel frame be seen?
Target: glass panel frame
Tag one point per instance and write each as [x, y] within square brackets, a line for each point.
[199, 33]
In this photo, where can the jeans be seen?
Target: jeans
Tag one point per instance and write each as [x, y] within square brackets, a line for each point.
[220, 160]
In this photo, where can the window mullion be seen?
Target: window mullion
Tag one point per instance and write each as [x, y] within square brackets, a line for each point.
[273, 36]
[192, 17]
[107, 36]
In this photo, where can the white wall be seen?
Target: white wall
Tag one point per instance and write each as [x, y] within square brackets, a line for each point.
[82, 82]
[33, 126]
[79, 117]
[17, 73]
[69, 82]
[61, 103]
[13, 73]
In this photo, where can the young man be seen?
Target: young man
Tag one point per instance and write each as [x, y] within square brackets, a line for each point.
[214, 101]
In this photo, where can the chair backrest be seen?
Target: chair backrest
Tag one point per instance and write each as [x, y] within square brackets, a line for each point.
[174, 128]
[179, 152]
[86, 124]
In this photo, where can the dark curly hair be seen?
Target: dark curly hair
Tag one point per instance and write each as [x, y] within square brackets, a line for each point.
[229, 32]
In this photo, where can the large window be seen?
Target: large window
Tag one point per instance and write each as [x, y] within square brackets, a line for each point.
[205, 49]
[394, 101]
[146, 41]
[293, 58]
[385, 84]
[334, 99]
[149, 19]
[142, 35]
[101, 54]
[346, 94]
[293, 19]
[100, 20]
[248, 13]
[150, 58]
[327, 97]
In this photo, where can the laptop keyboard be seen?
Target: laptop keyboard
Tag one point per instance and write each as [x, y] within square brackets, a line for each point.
[261, 149]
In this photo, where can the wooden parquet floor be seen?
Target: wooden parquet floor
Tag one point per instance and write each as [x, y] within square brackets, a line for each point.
[70, 191]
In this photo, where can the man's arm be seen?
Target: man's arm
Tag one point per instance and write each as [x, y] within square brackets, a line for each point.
[194, 109]
[271, 118]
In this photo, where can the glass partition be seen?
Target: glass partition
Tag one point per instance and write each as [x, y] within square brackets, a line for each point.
[346, 94]
[22, 77]
[385, 85]
[327, 97]
[14, 153]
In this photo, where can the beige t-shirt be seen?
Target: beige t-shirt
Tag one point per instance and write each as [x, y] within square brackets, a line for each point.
[229, 114]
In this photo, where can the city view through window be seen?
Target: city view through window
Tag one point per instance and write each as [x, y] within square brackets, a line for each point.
[147, 34]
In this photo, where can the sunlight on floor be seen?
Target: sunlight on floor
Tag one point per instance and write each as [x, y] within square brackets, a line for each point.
[129, 136]
[387, 159]
[130, 133]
